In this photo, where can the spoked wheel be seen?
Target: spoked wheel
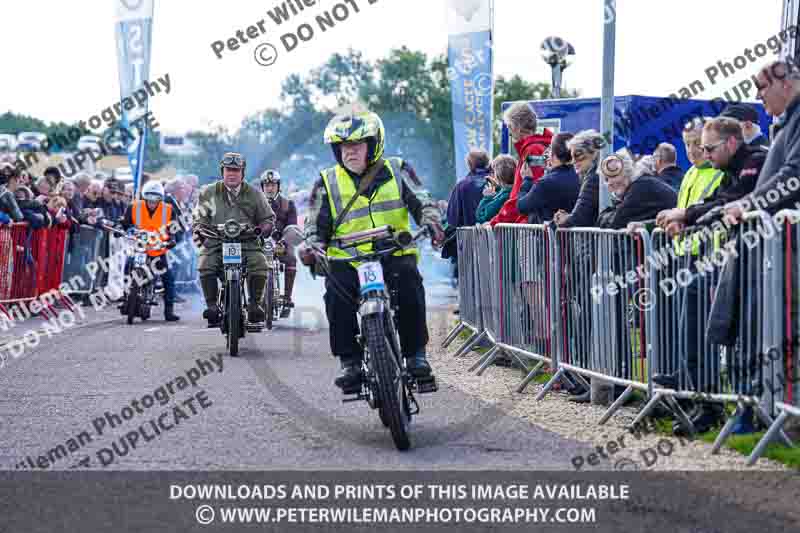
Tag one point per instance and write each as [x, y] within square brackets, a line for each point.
[390, 388]
[144, 302]
[132, 303]
[234, 316]
[269, 299]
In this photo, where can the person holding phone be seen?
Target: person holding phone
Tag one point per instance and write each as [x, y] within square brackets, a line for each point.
[497, 189]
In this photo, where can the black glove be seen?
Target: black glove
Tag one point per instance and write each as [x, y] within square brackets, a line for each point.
[172, 243]
[198, 239]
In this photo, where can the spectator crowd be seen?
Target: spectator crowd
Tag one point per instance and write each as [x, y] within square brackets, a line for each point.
[50, 200]
[556, 179]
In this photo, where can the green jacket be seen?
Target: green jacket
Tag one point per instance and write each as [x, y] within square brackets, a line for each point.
[491, 205]
[215, 207]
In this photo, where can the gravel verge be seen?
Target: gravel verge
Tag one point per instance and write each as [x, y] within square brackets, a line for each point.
[577, 421]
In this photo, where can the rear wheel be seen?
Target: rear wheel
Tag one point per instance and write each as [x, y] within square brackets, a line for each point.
[234, 316]
[269, 298]
[132, 303]
[390, 387]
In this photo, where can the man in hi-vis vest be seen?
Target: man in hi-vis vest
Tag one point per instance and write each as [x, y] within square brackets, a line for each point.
[154, 215]
[357, 141]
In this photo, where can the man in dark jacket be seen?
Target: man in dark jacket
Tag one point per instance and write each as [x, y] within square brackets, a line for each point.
[725, 148]
[780, 91]
[285, 215]
[468, 192]
[667, 167]
[777, 188]
[557, 190]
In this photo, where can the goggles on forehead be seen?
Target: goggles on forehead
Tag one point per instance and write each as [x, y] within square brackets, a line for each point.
[233, 160]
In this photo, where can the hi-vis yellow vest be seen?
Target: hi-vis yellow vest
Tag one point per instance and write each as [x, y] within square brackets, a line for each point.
[697, 185]
[384, 207]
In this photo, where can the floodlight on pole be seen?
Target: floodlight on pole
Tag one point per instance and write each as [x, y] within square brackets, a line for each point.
[555, 52]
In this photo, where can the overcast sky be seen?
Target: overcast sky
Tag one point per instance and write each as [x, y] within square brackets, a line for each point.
[59, 57]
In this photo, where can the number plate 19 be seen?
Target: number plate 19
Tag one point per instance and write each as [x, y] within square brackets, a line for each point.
[370, 277]
[232, 253]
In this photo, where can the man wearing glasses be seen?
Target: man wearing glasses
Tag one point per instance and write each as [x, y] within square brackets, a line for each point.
[232, 198]
[723, 144]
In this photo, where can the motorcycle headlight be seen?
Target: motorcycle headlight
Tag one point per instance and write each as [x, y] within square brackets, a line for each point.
[404, 238]
[232, 229]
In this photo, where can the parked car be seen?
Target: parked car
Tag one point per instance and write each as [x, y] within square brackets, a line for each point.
[30, 141]
[89, 142]
[124, 174]
[177, 145]
[8, 142]
[116, 141]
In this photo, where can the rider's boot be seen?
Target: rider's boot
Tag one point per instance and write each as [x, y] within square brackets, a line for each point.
[349, 380]
[418, 365]
[255, 312]
[287, 293]
[212, 314]
[169, 313]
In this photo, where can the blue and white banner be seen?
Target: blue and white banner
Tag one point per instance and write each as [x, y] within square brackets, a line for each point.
[134, 24]
[471, 77]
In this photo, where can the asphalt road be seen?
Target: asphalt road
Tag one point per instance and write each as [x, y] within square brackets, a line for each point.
[274, 407]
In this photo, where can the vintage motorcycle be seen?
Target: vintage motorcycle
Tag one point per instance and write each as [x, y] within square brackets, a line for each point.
[273, 300]
[232, 299]
[387, 384]
[139, 267]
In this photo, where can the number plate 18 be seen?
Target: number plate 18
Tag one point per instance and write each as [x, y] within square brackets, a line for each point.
[232, 253]
[370, 277]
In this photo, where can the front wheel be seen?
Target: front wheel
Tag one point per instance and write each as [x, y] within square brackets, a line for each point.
[390, 386]
[234, 316]
[132, 303]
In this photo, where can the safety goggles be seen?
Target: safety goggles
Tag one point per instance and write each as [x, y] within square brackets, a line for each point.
[233, 160]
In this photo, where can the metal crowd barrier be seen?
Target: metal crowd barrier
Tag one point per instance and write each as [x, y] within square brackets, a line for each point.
[468, 295]
[31, 264]
[605, 322]
[782, 364]
[84, 247]
[683, 274]
[521, 284]
[186, 274]
[624, 306]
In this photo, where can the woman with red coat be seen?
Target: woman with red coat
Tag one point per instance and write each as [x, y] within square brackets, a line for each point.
[521, 121]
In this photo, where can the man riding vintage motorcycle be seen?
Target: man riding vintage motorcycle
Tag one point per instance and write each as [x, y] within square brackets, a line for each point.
[285, 215]
[232, 198]
[154, 215]
[369, 191]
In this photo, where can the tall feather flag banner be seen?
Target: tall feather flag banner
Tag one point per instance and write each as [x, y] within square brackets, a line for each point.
[470, 73]
[134, 31]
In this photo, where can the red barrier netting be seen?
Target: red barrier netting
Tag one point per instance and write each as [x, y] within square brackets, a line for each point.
[31, 262]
